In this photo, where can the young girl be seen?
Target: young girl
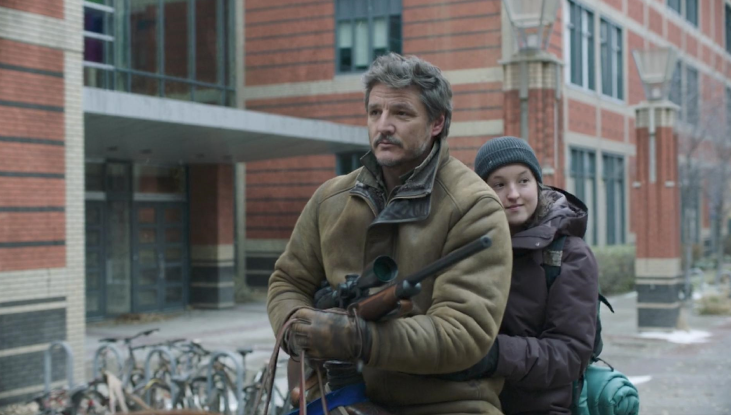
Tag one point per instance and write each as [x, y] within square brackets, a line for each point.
[547, 334]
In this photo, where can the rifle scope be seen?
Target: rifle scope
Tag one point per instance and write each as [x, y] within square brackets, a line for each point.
[382, 270]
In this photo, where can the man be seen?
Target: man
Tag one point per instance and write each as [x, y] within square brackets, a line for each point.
[415, 203]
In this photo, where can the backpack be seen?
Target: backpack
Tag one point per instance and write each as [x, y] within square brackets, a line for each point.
[551, 265]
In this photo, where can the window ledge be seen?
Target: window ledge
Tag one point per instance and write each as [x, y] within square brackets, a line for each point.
[349, 76]
[612, 99]
[579, 88]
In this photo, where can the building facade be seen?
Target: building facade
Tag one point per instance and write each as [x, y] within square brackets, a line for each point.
[156, 154]
[120, 133]
[305, 60]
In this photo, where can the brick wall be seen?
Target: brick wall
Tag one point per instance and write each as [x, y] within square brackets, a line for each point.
[41, 192]
[50, 8]
[32, 199]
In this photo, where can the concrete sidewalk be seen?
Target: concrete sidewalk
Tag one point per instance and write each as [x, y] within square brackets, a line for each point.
[672, 378]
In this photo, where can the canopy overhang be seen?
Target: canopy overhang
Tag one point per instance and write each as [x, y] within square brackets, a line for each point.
[136, 127]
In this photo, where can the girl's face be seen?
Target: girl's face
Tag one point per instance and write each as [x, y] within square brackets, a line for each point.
[518, 190]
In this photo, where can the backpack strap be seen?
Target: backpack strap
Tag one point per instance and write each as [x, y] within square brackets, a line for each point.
[551, 264]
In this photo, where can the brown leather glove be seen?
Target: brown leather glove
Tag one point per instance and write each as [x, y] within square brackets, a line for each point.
[329, 335]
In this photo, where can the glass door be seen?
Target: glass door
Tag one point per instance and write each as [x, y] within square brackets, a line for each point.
[159, 256]
[95, 260]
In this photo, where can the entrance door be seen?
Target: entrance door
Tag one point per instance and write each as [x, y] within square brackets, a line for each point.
[95, 260]
[159, 258]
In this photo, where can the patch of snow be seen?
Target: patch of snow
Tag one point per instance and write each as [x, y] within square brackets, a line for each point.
[679, 336]
[697, 295]
[637, 380]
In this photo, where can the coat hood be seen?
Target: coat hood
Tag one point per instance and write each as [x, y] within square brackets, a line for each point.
[558, 213]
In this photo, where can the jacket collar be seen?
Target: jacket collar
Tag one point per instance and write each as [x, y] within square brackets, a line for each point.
[411, 200]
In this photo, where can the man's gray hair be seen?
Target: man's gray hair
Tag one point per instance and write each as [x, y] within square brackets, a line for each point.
[398, 72]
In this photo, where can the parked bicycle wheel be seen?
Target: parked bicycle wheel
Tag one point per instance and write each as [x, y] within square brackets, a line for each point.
[156, 393]
[89, 402]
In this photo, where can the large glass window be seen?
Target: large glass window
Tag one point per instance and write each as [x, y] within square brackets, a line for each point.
[613, 176]
[581, 45]
[687, 8]
[98, 42]
[583, 180]
[692, 98]
[676, 85]
[178, 49]
[347, 162]
[611, 56]
[366, 29]
[685, 92]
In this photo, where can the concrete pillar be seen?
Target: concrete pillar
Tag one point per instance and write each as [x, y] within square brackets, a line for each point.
[212, 235]
[657, 265]
[242, 291]
[532, 109]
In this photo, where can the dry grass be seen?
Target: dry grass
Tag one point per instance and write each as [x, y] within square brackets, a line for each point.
[715, 305]
[20, 409]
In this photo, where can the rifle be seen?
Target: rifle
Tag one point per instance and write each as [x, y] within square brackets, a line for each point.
[395, 298]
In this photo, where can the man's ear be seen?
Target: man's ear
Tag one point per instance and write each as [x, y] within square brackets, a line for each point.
[437, 126]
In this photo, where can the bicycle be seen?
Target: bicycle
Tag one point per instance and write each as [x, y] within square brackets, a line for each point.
[131, 373]
[281, 403]
[80, 400]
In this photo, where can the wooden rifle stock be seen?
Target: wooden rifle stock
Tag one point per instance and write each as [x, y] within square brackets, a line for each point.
[396, 296]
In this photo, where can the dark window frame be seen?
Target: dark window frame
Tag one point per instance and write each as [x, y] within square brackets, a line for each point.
[582, 68]
[583, 168]
[612, 50]
[688, 9]
[691, 111]
[120, 75]
[347, 162]
[613, 174]
[355, 12]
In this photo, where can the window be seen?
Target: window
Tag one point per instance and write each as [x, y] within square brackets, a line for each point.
[182, 49]
[728, 110]
[581, 45]
[675, 5]
[728, 28]
[685, 92]
[687, 8]
[676, 85]
[366, 29]
[583, 178]
[691, 11]
[614, 186]
[611, 56]
[98, 42]
[347, 162]
[691, 113]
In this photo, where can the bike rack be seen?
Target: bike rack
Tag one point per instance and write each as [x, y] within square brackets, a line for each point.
[117, 354]
[239, 378]
[173, 368]
[48, 367]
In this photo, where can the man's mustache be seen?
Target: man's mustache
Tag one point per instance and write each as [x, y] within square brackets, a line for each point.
[388, 139]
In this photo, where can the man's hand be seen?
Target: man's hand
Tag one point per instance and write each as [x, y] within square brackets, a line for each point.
[329, 335]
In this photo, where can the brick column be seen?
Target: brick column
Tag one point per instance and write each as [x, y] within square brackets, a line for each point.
[532, 109]
[212, 235]
[657, 265]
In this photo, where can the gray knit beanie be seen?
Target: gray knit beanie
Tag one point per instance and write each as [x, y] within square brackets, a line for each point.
[502, 151]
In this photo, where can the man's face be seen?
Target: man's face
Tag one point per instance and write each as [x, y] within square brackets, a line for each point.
[398, 126]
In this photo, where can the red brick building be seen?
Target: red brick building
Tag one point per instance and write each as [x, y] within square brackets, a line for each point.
[300, 61]
[122, 123]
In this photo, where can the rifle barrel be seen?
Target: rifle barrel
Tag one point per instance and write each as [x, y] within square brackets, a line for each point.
[452, 258]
